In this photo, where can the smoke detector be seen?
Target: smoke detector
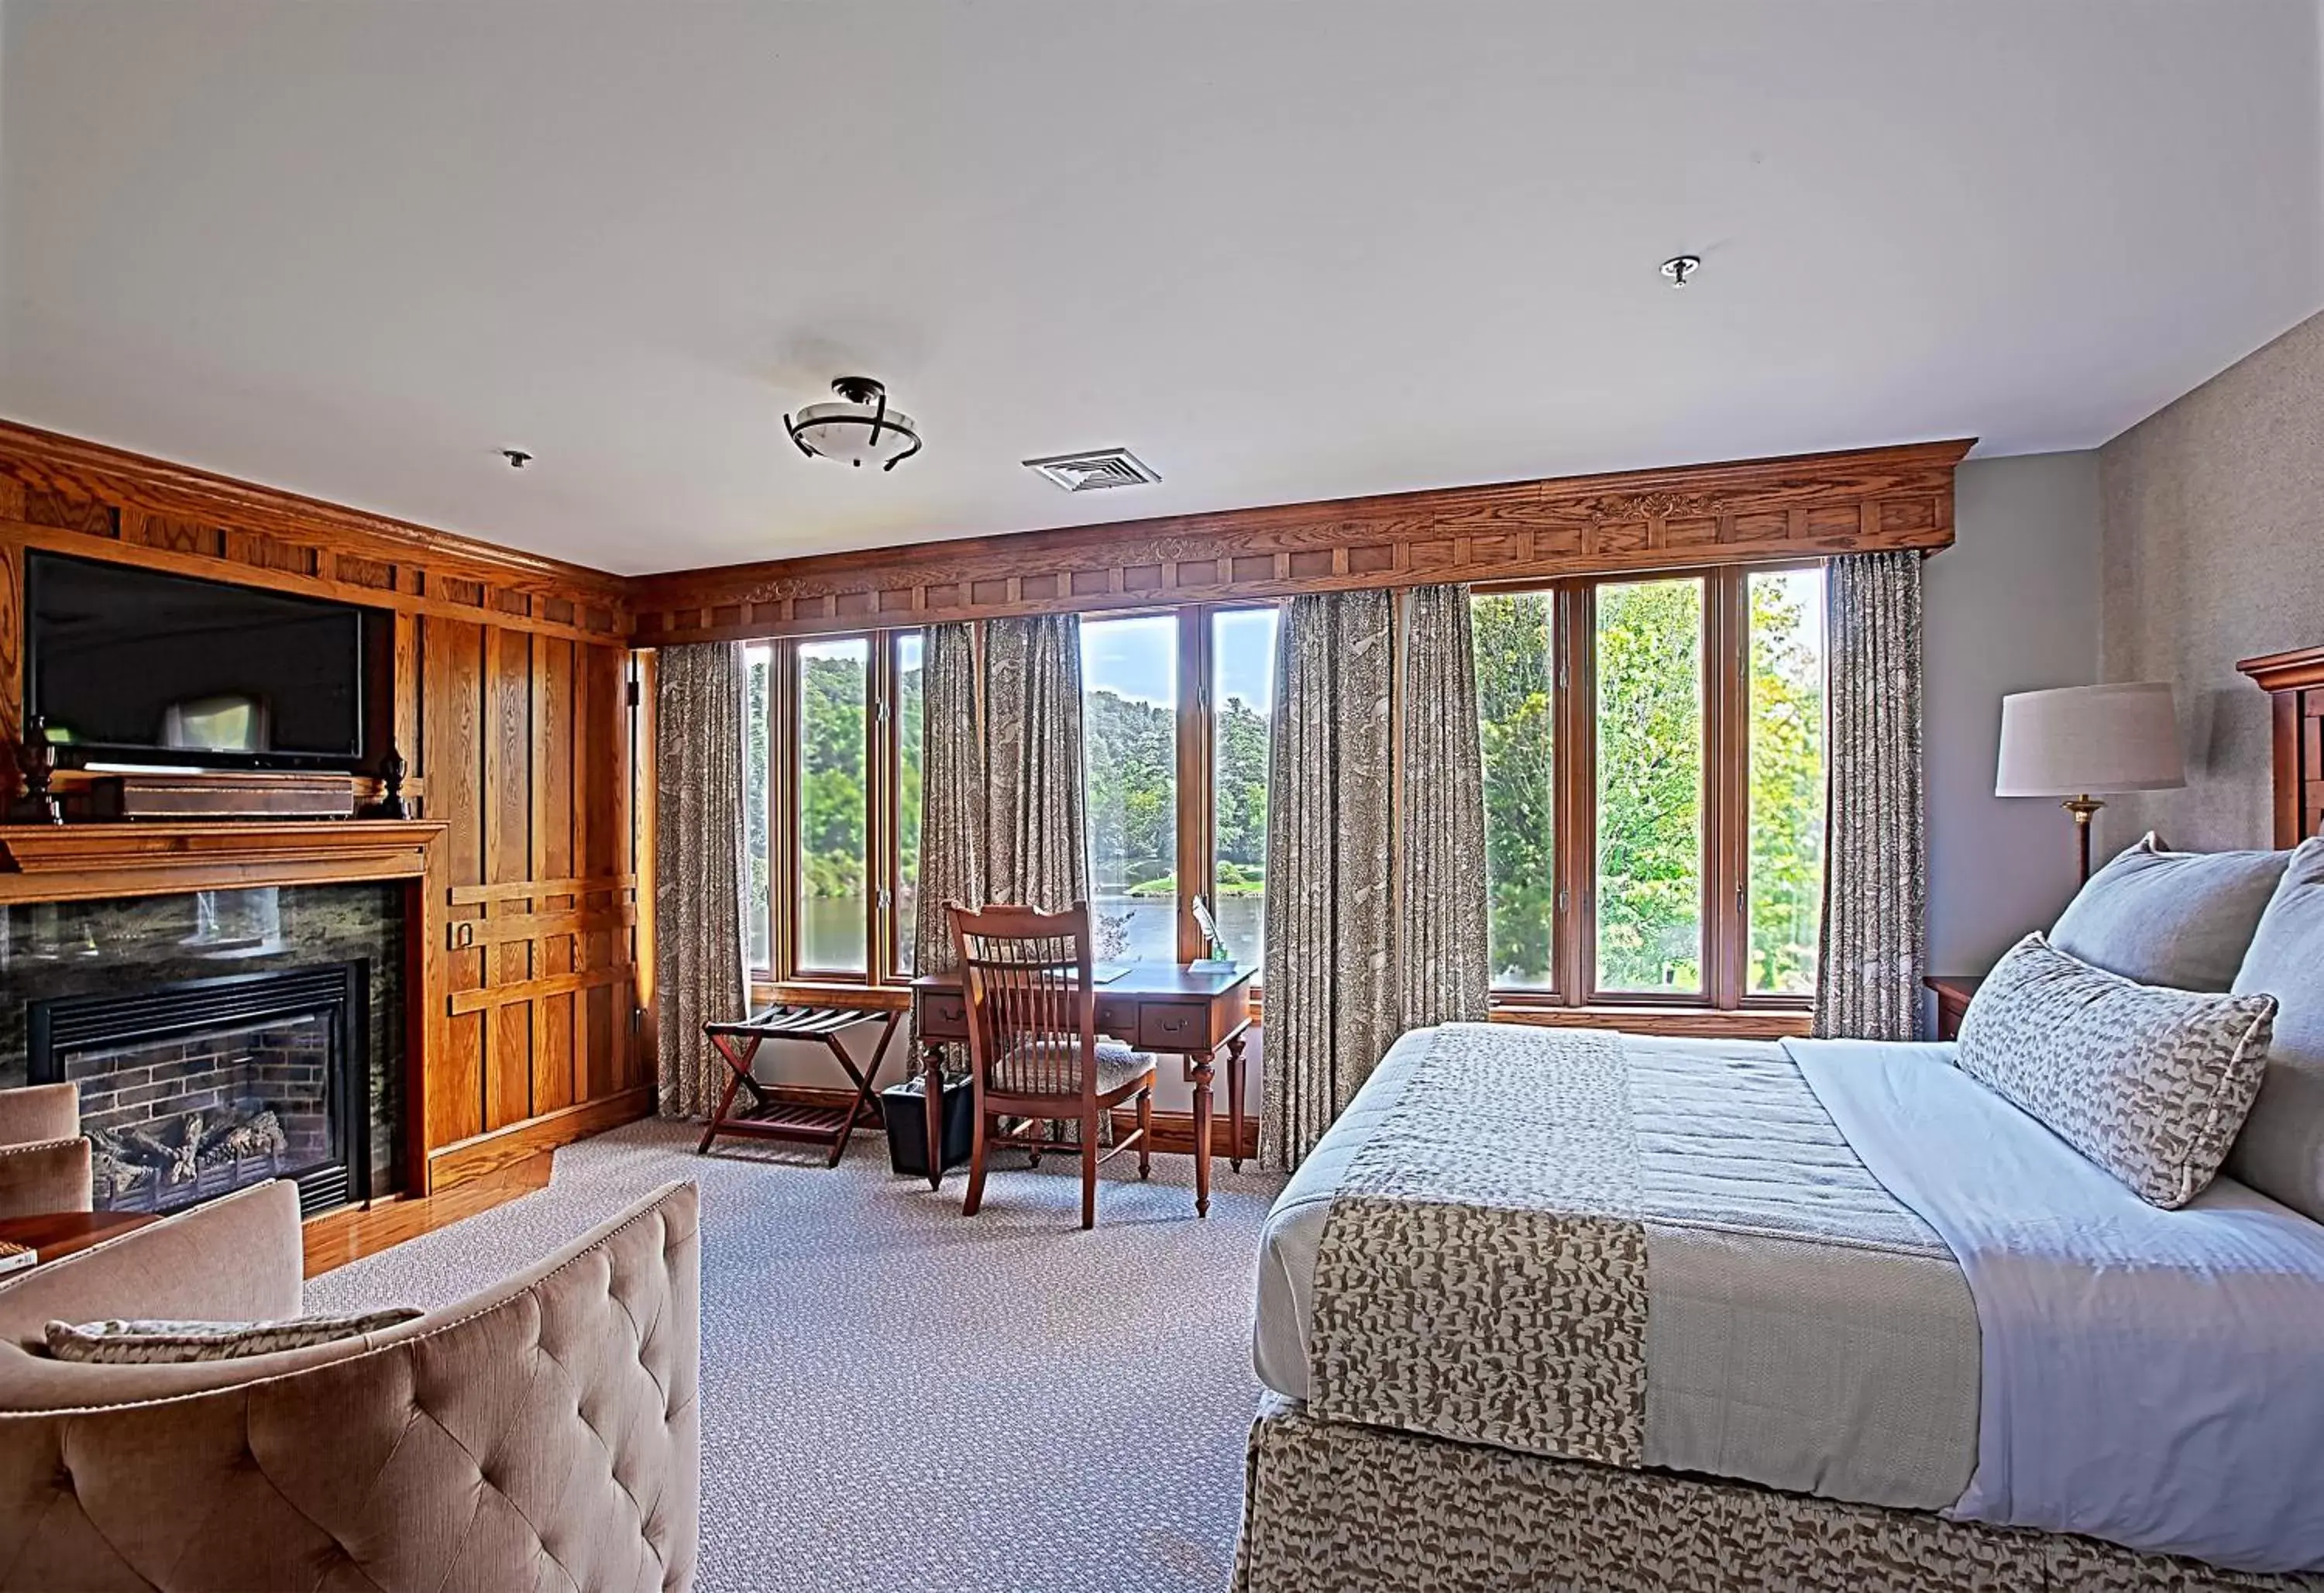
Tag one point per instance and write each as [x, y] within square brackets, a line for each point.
[1096, 470]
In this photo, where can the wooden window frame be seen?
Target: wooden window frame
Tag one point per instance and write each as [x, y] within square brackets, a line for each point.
[882, 763]
[1573, 994]
[1725, 799]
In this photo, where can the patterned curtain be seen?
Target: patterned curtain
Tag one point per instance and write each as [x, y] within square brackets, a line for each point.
[952, 793]
[1038, 847]
[1876, 875]
[1442, 955]
[1331, 1007]
[698, 975]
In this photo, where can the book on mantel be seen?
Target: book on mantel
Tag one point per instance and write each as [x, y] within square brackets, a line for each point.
[13, 1256]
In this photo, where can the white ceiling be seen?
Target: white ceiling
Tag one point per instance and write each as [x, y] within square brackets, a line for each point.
[1284, 251]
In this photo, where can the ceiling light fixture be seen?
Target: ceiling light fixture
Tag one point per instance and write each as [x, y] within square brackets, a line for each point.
[859, 429]
[1680, 267]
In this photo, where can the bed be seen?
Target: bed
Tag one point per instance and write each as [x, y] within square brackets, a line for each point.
[1553, 1308]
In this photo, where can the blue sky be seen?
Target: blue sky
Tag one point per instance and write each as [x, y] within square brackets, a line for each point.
[1138, 657]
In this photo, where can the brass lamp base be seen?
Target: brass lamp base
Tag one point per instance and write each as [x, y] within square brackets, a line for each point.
[2084, 809]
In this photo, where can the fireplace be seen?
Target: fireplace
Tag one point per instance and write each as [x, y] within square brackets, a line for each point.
[188, 1090]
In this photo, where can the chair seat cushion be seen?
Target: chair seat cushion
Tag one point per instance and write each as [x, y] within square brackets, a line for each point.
[1054, 1067]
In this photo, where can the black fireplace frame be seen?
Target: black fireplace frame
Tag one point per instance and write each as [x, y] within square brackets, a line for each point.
[340, 992]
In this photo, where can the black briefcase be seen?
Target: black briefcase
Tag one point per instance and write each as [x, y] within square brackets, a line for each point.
[906, 1108]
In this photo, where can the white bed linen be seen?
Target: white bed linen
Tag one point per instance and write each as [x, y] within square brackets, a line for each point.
[2152, 1377]
[1777, 1357]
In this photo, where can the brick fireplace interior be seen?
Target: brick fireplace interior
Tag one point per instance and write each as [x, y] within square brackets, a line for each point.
[188, 1090]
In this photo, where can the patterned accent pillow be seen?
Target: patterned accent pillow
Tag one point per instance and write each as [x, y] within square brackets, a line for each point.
[2150, 1083]
[118, 1341]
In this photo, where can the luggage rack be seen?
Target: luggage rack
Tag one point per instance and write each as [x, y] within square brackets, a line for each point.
[738, 1043]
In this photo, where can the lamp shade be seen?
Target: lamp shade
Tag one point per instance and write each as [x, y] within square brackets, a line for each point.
[2089, 740]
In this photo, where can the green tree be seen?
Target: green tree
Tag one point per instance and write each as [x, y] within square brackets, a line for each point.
[1517, 741]
[1239, 786]
[1129, 753]
[1787, 775]
[832, 803]
[1650, 734]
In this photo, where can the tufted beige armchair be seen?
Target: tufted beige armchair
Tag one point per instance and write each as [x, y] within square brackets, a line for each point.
[43, 1159]
[544, 1434]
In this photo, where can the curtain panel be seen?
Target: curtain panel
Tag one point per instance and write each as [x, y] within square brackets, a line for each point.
[952, 803]
[1444, 961]
[1871, 956]
[1037, 840]
[1332, 1005]
[699, 870]
[952, 792]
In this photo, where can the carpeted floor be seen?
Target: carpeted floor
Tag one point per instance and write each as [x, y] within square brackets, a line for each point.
[896, 1397]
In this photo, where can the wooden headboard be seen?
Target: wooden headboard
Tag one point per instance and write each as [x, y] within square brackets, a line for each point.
[2296, 681]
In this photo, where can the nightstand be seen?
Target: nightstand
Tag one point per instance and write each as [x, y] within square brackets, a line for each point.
[1953, 991]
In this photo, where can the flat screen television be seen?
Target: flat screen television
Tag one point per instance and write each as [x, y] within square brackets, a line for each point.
[138, 666]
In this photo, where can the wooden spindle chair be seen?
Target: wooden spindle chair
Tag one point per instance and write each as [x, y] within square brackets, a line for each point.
[1033, 1046]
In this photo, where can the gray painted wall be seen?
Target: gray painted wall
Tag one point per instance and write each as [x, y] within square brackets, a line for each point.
[2012, 606]
[2213, 550]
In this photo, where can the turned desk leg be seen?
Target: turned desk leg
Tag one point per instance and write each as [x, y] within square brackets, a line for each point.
[1234, 1103]
[935, 1115]
[1201, 1061]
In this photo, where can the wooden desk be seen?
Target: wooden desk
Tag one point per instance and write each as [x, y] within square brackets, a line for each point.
[1155, 1007]
[55, 1235]
[1953, 994]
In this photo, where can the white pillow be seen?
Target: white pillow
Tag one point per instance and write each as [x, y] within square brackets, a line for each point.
[2280, 1153]
[2179, 919]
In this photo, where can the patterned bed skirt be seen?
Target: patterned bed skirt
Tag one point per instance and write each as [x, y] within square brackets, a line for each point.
[1334, 1507]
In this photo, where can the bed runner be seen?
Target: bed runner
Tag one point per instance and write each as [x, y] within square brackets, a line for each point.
[1482, 1274]
[1492, 1286]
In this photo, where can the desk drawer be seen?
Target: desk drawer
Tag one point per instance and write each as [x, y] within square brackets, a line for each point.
[1174, 1026]
[1117, 1015]
[944, 1017]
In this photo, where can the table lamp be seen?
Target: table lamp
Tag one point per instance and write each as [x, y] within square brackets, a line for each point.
[2077, 740]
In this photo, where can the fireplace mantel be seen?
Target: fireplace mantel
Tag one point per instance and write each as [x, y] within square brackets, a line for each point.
[96, 862]
[86, 862]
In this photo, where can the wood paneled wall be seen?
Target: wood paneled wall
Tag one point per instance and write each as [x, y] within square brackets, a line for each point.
[512, 707]
[1742, 511]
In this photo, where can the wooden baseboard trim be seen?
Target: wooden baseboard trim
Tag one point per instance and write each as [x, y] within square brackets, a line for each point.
[1174, 1132]
[353, 1232]
[454, 1164]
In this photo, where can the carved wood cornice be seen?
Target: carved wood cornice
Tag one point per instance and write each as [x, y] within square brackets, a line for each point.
[108, 502]
[1750, 510]
[91, 862]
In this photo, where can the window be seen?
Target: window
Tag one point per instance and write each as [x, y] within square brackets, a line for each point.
[1653, 756]
[1653, 762]
[1786, 774]
[834, 810]
[830, 798]
[1242, 707]
[1130, 770]
[1648, 647]
[1516, 664]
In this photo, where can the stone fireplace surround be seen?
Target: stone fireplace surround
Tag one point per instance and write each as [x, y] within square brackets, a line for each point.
[116, 908]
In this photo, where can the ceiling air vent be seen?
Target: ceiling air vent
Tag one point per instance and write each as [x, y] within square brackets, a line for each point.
[1095, 471]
